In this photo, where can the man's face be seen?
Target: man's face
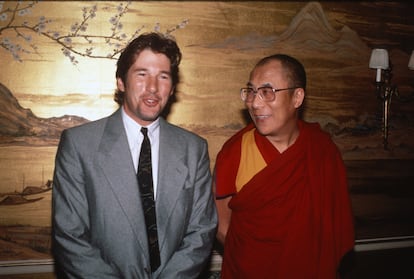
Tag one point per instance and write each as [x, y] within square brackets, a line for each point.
[148, 86]
[275, 118]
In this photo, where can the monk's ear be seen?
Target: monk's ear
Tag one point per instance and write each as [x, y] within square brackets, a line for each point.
[298, 97]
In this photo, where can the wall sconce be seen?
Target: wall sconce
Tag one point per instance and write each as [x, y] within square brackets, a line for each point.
[411, 61]
[383, 87]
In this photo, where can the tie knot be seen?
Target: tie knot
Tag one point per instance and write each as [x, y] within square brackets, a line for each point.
[144, 131]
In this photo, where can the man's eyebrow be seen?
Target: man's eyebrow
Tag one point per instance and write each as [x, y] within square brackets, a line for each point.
[267, 84]
[143, 69]
[140, 69]
[166, 72]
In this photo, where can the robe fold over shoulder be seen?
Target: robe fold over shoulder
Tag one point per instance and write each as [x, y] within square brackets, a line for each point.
[293, 218]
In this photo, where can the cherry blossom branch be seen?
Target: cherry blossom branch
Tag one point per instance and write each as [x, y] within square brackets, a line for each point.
[69, 40]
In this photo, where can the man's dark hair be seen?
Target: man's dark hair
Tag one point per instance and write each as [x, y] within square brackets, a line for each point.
[295, 71]
[156, 42]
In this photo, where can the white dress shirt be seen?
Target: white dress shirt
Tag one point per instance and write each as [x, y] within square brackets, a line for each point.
[135, 138]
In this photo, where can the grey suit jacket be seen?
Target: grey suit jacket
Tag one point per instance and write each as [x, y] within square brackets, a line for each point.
[98, 223]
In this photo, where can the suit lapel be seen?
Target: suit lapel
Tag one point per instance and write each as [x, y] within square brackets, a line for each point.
[171, 177]
[116, 162]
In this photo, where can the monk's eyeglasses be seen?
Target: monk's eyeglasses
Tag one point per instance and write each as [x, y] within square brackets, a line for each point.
[266, 93]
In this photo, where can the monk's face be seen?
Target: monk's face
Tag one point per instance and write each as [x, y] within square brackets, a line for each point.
[275, 118]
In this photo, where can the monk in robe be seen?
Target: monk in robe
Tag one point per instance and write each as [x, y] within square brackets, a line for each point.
[280, 184]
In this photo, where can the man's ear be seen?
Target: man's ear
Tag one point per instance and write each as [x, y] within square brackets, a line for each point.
[120, 84]
[298, 97]
[172, 91]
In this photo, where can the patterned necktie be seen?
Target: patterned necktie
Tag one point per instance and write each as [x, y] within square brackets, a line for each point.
[145, 182]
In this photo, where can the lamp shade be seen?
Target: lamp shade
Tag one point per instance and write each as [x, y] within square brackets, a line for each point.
[411, 61]
[379, 59]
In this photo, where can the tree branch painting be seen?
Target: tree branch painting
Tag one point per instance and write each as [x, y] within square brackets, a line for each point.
[16, 33]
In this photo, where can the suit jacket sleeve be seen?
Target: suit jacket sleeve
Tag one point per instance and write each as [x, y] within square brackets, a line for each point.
[194, 251]
[74, 253]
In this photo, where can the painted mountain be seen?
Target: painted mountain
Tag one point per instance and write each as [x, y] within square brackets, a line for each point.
[20, 126]
[340, 93]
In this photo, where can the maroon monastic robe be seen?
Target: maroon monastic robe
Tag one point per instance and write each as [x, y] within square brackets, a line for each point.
[293, 219]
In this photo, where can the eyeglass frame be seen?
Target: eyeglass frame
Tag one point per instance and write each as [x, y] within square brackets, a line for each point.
[258, 91]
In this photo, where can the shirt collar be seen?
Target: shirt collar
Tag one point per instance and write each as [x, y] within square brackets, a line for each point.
[133, 128]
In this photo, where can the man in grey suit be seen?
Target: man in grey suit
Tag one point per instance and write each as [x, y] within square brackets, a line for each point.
[99, 229]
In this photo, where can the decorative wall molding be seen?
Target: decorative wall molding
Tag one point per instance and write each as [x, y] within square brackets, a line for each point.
[47, 265]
